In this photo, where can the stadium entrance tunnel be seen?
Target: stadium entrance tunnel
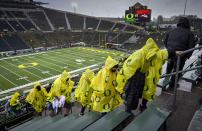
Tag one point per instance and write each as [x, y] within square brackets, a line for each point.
[27, 65]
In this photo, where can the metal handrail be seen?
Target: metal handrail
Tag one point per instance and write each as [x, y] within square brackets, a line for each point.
[178, 72]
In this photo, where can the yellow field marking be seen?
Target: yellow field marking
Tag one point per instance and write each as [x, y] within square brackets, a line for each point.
[105, 52]
[27, 65]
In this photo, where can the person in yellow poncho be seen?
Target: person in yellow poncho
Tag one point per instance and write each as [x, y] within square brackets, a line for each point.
[105, 98]
[15, 103]
[83, 91]
[37, 97]
[141, 71]
[62, 89]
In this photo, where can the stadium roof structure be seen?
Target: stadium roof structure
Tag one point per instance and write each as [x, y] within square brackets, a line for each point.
[20, 3]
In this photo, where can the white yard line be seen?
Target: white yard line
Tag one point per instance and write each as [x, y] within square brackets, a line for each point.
[25, 70]
[50, 78]
[61, 67]
[78, 55]
[37, 68]
[14, 73]
[8, 80]
[21, 56]
[59, 61]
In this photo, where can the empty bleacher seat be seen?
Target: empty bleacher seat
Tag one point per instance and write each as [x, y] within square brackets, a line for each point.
[2, 14]
[91, 23]
[110, 121]
[40, 20]
[122, 38]
[16, 25]
[9, 14]
[130, 28]
[77, 36]
[152, 119]
[5, 26]
[3, 46]
[76, 21]
[27, 24]
[105, 25]
[18, 14]
[119, 26]
[88, 37]
[57, 18]
[15, 42]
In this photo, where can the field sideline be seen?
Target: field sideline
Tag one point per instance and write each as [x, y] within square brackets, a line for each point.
[20, 70]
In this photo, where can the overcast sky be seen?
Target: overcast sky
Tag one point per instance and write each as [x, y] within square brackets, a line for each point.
[116, 8]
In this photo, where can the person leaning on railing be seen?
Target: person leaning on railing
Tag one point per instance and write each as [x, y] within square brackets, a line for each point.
[179, 39]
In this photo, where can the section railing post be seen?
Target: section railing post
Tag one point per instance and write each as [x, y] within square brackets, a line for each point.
[176, 79]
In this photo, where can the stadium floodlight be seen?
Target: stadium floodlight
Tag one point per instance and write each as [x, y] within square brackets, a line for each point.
[74, 6]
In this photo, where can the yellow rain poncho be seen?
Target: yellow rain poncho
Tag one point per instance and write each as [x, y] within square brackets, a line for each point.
[61, 87]
[37, 98]
[149, 59]
[15, 105]
[83, 91]
[105, 97]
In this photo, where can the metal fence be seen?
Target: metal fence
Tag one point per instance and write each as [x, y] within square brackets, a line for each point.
[183, 71]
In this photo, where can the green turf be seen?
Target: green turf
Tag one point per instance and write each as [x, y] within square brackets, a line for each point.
[50, 63]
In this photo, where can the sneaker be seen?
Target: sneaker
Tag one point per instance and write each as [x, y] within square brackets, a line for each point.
[81, 114]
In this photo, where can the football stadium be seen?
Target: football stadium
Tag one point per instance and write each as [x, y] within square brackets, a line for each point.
[63, 70]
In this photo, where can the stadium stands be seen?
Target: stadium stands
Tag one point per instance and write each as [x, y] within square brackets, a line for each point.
[16, 25]
[88, 37]
[57, 18]
[9, 14]
[18, 14]
[5, 26]
[2, 14]
[15, 42]
[39, 18]
[130, 28]
[119, 26]
[77, 36]
[3, 46]
[122, 38]
[105, 25]
[27, 24]
[91, 23]
[76, 21]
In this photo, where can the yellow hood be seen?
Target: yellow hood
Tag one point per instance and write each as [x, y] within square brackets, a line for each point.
[151, 48]
[109, 63]
[36, 84]
[89, 74]
[16, 95]
[65, 75]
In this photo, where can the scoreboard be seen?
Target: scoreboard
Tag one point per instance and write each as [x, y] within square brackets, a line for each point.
[138, 14]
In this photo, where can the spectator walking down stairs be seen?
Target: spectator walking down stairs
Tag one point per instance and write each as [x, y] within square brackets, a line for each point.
[60, 93]
[84, 91]
[141, 71]
[105, 98]
[15, 104]
[179, 39]
[37, 98]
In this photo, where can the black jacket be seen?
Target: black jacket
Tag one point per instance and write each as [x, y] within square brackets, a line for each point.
[180, 39]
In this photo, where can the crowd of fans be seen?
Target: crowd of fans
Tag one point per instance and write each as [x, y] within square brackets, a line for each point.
[137, 76]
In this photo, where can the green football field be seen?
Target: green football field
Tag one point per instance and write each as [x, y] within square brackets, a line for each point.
[21, 70]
